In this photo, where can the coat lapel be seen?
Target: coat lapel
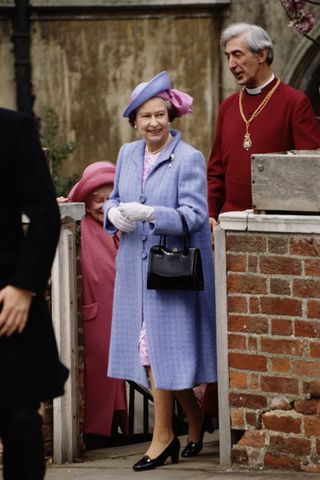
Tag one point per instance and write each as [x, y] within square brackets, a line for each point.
[168, 151]
[138, 157]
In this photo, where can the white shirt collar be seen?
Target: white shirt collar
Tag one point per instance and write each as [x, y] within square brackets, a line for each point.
[256, 91]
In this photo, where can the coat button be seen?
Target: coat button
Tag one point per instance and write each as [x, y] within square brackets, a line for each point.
[142, 199]
[143, 237]
[143, 255]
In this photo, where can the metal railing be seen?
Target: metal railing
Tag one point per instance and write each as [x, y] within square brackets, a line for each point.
[147, 397]
[179, 421]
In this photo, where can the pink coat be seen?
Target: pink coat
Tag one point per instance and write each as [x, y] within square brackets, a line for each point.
[104, 397]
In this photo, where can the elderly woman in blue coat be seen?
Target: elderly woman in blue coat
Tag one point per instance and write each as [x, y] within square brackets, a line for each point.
[161, 338]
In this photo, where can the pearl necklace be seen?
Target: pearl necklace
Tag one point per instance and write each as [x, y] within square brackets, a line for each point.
[168, 140]
[247, 142]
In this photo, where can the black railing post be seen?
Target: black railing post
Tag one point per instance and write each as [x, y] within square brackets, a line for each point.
[22, 63]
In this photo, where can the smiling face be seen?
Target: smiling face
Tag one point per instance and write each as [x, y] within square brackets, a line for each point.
[95, 201]
[152, 122]
[248, 68]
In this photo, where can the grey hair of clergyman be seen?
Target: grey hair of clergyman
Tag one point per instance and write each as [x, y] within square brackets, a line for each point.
[256, 37]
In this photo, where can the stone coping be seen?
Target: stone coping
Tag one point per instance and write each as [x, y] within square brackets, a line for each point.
[72, 210]
[279, 223]
[119, 3]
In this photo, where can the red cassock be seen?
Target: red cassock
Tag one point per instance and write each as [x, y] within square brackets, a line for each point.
[287, 122]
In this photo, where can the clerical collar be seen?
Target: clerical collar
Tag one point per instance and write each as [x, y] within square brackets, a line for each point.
[256, 91]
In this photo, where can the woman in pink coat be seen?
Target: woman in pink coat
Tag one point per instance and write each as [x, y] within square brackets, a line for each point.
[105, 398]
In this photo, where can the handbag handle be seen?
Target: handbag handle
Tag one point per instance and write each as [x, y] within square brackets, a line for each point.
[186, 235]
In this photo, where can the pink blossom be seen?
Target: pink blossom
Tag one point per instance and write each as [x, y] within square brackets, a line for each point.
[293, 5]
[302, 23]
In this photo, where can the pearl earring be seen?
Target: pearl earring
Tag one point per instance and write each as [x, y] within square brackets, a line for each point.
[135, 125]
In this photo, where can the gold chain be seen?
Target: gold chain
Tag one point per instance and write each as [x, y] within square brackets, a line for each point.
[247, 142]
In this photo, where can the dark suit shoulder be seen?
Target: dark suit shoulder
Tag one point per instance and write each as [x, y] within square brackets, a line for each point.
[11, 118]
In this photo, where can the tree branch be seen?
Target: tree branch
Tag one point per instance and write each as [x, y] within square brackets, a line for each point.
[314, 2]
[312, 39]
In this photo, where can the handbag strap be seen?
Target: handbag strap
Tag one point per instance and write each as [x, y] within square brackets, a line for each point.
[186, 235]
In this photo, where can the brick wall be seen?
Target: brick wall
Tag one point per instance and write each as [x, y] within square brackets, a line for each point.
[273, 298]
[46, 408]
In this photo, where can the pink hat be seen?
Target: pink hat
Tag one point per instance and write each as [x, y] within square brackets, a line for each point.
[94, 176]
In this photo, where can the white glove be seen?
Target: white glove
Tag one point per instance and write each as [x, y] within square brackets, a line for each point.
[136, 211]
[119, 221]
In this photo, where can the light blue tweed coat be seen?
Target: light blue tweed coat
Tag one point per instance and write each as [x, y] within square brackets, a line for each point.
[180, 325]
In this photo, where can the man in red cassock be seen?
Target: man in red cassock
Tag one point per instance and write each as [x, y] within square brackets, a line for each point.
[265, 116]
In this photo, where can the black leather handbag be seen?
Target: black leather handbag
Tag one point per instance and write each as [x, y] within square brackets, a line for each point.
[172, 269]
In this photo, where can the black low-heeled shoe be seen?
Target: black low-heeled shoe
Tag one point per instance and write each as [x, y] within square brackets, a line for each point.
[147, 463]
[193, 448]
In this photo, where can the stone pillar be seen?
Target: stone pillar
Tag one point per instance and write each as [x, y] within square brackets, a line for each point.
[222, 346]
[64, 315]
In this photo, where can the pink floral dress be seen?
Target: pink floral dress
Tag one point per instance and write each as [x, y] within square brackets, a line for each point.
[149, 161]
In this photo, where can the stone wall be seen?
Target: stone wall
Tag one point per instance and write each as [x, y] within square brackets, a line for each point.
[86, 68]
[7, 79]
[273, 285]
[87, 55]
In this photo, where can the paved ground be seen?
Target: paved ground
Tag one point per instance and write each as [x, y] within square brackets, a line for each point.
[116, 464]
